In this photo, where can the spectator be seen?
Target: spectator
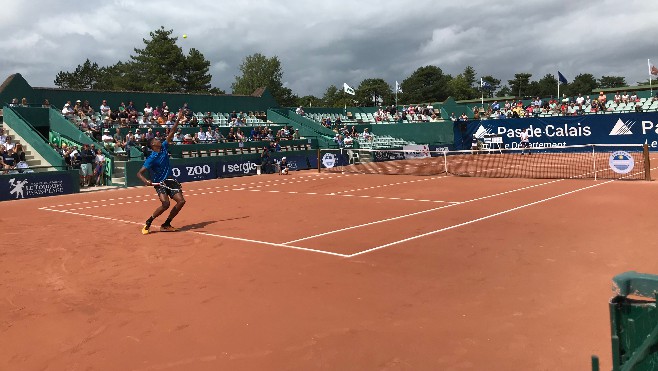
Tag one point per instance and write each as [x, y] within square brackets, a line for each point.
[283, 166]
[86, 165]
[200, 137]
[617, 98]
[148, 110]
[266, 160]
[99, 169]
[105, 108]
[14, 103]
[366, 135]
[108, 141]
[3, 136]
[9, 145]
[602, 99]
[7, 159]
[300, 111]
[625, 98]
[24, 102]
[67, 111]
[295, 135]
[45, 104]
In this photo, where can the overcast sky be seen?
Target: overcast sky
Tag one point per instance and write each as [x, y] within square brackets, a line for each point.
[330, 42]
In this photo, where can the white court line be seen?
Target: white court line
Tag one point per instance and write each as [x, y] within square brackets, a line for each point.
[419, 212]
[205, 234]
[277, 181]
[348, 195]
[475, 220]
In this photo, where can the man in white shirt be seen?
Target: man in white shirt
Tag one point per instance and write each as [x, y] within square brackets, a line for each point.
[105, 108]
[525, 142]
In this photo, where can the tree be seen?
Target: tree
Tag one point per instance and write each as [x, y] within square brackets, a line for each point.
[609, 82]
[493, 82]
[505, 91]
[459, 88]
[547, 86]
[519, 85]
[195, 76]
[86, 76]
[160, 66]
[310, 101]
[259, 71]
[469, 76]
[426, 84]
[374, 92]
[584, 83]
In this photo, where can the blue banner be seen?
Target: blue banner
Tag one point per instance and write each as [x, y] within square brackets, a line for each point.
[193, 172]
[32, 185]
[613, 128]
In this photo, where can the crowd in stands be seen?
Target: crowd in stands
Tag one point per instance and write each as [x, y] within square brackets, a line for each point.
[88, 160]
[105, 124]
[12, 155]
[566, 106]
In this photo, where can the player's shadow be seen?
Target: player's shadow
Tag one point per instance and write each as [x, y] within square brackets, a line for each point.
[199, 225]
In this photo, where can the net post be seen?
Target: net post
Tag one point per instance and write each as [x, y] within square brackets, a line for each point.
[445, 162]
[319, 163]
[647, 162]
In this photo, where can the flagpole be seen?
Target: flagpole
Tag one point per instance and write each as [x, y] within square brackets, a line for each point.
[650, 86]
[559, 99]
[482, 92]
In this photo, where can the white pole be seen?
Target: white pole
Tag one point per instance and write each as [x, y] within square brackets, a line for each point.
[559, 98]
[650, 86]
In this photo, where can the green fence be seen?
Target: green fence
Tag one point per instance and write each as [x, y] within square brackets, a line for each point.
[634, 323]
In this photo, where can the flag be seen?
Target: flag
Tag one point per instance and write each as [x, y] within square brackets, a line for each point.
[561, 78]
[398, 88]
[652, 69]
[484, 85]
[347, 89]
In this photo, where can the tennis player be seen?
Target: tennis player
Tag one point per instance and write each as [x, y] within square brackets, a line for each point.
[525, 141]
[161, 178]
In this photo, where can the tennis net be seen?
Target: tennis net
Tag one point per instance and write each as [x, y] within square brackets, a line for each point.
[600, 161]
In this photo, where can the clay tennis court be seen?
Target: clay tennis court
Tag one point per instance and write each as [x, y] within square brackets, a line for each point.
[320, 271]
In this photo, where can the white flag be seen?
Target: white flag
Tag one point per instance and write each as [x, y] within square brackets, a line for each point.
[398, 88]
[347, 89]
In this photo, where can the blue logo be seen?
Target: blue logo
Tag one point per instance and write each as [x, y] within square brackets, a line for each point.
[621, 162]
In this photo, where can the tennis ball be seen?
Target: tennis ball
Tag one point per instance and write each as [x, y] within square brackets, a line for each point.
[184, 36]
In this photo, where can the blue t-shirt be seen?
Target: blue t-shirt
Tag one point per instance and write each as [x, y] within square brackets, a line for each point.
[158, 163]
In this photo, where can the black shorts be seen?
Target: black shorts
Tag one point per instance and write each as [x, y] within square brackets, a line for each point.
[172, 188]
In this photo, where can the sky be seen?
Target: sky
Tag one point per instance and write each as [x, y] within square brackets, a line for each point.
[320, 43]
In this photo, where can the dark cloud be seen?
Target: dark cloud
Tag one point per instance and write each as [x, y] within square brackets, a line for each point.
[320, 44]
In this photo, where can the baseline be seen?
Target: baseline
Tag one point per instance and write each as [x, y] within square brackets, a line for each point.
[204, 233]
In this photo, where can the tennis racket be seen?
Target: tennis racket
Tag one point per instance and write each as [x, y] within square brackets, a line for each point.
[170, 184]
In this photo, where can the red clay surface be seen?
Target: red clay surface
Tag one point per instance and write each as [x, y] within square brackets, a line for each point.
[323, 272]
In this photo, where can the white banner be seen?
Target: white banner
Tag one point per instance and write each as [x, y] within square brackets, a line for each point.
[416, 151]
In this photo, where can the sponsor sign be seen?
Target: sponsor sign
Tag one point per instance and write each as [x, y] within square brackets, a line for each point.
[388, 155]
[610, 128]
[21, 186]
[416, 151]
[621, 162]
[329, 160]
[237, 168]
[193, 172]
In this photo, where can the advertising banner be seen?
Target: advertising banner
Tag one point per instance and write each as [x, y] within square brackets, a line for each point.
[627, 128]
[193, 172]
[31, 185]
[418, 151]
